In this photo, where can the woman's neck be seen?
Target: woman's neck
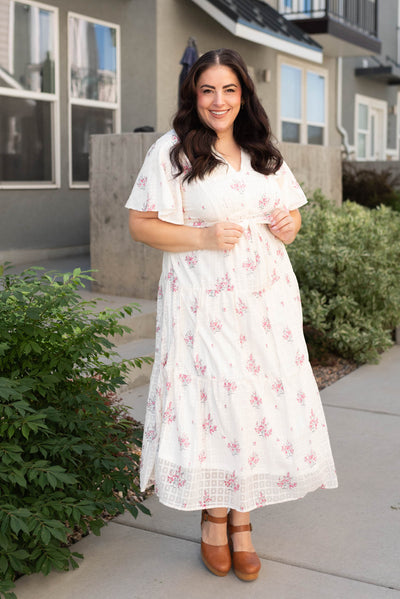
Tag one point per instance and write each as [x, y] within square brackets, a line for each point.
[226, 144]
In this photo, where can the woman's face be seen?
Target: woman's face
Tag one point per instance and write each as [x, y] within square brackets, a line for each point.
[218, 98]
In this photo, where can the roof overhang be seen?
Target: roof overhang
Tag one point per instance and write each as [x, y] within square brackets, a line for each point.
[384, 74]
[261, 35]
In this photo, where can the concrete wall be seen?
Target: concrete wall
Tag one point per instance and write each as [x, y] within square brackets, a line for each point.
[41, 223]
[129, 268]
[316, 167]
[124, 267]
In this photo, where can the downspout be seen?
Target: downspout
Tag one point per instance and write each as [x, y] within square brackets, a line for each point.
[339, 126]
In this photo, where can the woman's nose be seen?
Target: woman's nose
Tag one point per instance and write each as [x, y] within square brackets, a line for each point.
[218, 99]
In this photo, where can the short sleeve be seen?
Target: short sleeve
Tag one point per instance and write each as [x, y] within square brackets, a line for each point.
[156, 189]
[292, 195]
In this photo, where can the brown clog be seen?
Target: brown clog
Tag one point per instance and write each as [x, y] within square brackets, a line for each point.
[246, 564]
[216, 558]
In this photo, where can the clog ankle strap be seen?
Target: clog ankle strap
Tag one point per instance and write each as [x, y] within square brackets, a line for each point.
[217, 520]
[242, 528]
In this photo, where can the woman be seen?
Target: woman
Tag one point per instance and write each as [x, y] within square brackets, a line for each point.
[234, 419]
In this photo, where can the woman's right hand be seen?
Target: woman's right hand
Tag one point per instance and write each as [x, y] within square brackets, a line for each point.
[222, 236]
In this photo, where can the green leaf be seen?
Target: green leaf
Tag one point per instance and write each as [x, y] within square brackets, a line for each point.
[45, 535]
[143, 509]
[3, 564]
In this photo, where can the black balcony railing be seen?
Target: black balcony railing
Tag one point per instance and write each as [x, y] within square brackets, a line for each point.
[361, 14]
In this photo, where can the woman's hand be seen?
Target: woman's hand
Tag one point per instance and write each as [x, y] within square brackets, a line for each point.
[222, 236]
[285, 225]
[149, 229]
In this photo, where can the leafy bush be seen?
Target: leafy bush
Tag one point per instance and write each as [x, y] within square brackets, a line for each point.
[67, 451]
[371, 188]
[347, 263]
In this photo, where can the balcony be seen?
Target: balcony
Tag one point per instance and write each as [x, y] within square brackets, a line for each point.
[342, 27]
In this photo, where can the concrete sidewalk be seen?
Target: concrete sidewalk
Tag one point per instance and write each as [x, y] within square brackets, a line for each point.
[342, 543]
[336, 544]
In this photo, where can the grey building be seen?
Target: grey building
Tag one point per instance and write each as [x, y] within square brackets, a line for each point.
[73, 68]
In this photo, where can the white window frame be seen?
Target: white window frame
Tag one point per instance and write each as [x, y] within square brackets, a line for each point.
[305, 68]
[372, 103]
[116, 106]
[54, 99]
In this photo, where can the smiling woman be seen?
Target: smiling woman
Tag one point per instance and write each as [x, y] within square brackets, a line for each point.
[234, 419]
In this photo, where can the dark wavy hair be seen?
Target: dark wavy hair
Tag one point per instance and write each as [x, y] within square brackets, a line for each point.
[251, 129]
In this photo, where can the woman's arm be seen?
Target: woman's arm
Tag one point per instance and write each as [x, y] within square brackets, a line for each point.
[285, 224]
[149, 229]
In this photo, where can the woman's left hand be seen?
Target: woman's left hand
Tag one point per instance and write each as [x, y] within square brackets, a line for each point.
[285, 225]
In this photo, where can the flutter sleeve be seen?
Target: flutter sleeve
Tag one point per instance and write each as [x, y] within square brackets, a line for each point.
[292, 196]
[156, 189]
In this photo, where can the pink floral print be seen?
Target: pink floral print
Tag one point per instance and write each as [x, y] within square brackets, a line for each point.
[287, 334]
[176, 477]
[286, 482]
[252, 366]
[278, 387]
[223, 284]
[241, 307]
[263, 429]
[234, 447]
[311, 458]
[230, 386]
[255, 400]
[232, 482]
[313, 422]
[215, 325]
[189, 338]
[288, 449]
[183, 441]
[253, 460]
[209, 426]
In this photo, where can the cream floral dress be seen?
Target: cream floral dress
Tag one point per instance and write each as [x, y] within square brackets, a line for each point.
[234, 417]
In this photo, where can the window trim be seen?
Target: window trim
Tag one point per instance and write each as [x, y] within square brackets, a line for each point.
[376, 104]
[53, 99]
[116, 106]
[305, 68]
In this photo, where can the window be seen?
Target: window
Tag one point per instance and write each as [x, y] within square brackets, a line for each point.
[29, 133]
[291, 103]
[370, 128]
[302, 105]
[315, 108]
[94, 93]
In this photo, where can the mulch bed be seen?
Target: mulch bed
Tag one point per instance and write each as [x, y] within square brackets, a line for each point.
[328, 374]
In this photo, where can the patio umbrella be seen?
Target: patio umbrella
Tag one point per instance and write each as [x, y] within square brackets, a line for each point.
[189, 57]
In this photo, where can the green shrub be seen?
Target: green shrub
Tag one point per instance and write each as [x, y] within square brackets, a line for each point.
[67, 451]
[347, 263]
[371, 188]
